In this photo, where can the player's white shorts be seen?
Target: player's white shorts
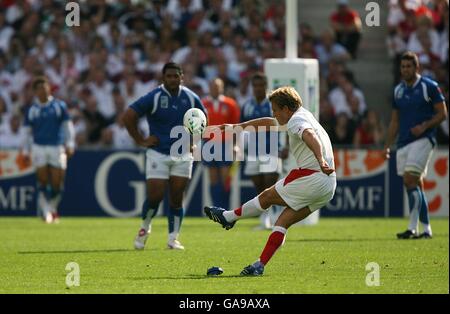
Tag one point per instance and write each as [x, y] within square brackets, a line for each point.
[51, 155]
[303, 188]
[161, 166]
[415, 157]
[263, 164]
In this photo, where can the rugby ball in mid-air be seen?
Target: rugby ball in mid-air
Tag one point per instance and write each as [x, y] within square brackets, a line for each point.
[194, 121]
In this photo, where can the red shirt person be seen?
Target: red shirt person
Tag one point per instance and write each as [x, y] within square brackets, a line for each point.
[221, 110]
[346, 23]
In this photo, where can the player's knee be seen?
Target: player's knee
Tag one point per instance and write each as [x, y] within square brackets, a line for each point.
[266, 198]
[42, 180]
[154, 204]
[411, 181]
[155, 191]
[176, 203]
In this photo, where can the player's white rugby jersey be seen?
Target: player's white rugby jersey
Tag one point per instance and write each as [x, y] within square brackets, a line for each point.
[299, 122]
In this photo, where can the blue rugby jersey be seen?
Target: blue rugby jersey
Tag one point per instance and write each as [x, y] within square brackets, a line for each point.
[46, 121]
[163, 112]
[415, 105]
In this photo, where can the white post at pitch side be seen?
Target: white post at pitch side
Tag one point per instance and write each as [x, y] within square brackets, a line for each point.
[291, 29]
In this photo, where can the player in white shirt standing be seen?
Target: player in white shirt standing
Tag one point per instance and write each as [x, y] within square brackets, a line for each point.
[303, 190]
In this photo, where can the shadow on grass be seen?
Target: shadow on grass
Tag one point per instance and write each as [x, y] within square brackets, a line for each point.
[342, 240]
[187, 277]
[80, 251]
[393, 238]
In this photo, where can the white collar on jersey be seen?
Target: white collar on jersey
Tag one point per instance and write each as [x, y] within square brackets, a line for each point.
[49, 100]
[418, 77]
[170, 95]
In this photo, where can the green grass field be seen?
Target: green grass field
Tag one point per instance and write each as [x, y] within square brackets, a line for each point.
[328, 258]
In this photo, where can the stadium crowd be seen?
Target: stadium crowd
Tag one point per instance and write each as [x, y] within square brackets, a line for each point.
[117, 53]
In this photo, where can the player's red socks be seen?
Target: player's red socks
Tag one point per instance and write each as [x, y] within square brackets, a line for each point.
[238, 211]
[276, 239]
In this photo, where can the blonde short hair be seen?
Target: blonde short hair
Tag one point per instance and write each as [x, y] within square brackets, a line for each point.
[286, 96]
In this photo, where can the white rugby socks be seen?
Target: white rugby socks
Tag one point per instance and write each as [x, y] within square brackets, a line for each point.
[250, 209]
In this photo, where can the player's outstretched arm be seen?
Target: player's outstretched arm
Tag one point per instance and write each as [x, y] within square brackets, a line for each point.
[255, 125]
[131, 120]
[312, 141]
[391, 133]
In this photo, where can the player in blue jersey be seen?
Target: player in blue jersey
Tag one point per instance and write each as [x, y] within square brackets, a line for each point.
[164, 108]
[419, 107]
[263, 166]
[51, 140]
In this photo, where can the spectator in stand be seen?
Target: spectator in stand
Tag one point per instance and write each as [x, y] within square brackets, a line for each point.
[343, 131]
[424, 32]
[347, 26]
[336, 69]
[131, 88]
[6, 80]
[6, 33]
[101, 89]
[24, 75]
[79, 126]
[328, 49]
[421, 26]
[371, 131]
[245, 91]
[398, 10]
[306, 49]
[119, 105]
[347, 98]
[4, 114]
[223, 74]
[95, 121]
[306, 31]
[327, 118]
[116, 135]
[13, 136]
[193, 81]
[400, 29]
[445, 38]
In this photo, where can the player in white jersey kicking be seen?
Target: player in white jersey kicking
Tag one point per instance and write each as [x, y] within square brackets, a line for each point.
[51, 140]
[304, 190]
